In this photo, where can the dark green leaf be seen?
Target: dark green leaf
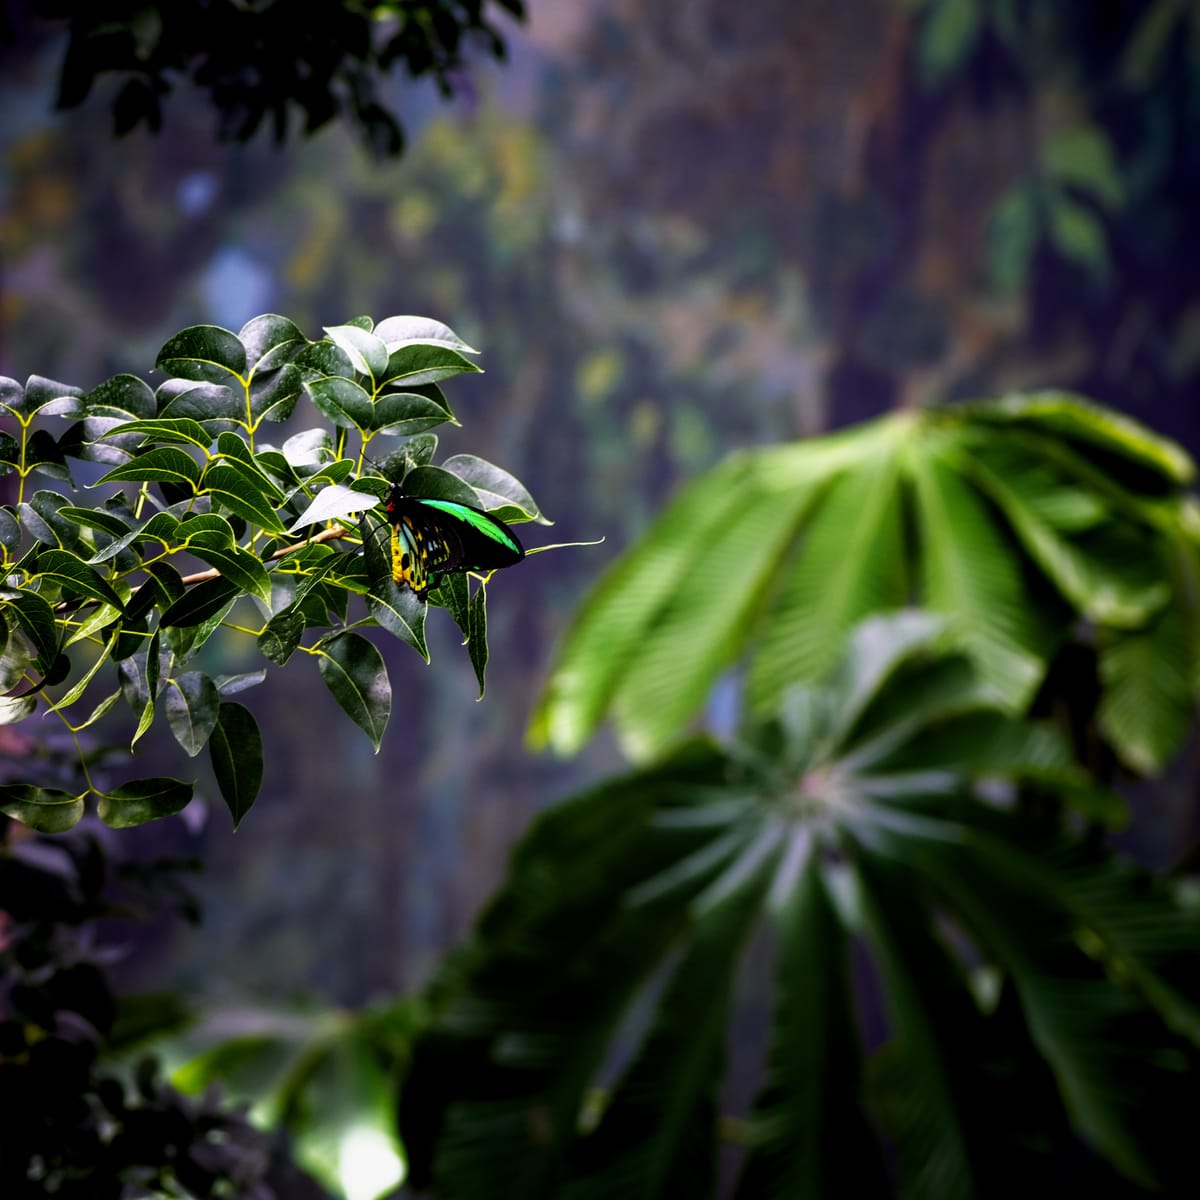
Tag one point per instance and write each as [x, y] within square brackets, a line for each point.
[273, 396]
[165, 464]
[436, 483]
[355, 673]
[477, 646]
[43, 809]
[282, 635]
[270, 341]
[367, 354]
[238, 567]
[498, 491]
[343, 401]
[323, 358]
[12, 396]
[419, 363]
[213, 404]
[36, 618]
[242, 492]
[162, 431]
[191, 704]
[75, 577]
[203, 601]
[403, 414]
[40, 392]
[122, 394]
[237, 758]
[143, 800]
[10, 532]
[203, 352]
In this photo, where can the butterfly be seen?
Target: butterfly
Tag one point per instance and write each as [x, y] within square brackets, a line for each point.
[439, 537]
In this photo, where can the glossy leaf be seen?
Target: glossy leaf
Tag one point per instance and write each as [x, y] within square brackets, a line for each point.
[355, 673]
[203, 352]
[235, 748]
[191, 703]
[164, 464]
[43, 809]
[143, 800]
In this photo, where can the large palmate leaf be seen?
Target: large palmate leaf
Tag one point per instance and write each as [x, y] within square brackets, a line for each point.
[877, 811]
[1015, 518]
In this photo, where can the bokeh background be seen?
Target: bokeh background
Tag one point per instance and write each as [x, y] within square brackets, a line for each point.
[672, 230]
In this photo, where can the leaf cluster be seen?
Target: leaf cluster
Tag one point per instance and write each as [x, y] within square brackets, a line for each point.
[209, 526]
[258, 61]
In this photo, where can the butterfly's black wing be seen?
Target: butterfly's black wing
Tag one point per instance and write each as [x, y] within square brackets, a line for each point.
[437, 537]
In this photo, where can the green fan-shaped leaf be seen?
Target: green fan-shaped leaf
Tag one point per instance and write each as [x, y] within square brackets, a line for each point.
[1108, 577]
[969, 571]
[1148, 677]
[608, 632]
[852, 563]
[1061, 413]
[616, 935]
[1123, 1081]
[700, 628]
[809, 1134]
[658, 1137]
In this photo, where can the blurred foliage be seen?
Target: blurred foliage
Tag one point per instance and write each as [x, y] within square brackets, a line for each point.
[258, 60]
[1038, 991]
[328, 1080]
[107, 579]
[1027, 519]
[73, 1126]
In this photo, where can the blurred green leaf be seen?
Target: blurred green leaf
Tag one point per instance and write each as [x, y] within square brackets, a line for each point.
[43, 809]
